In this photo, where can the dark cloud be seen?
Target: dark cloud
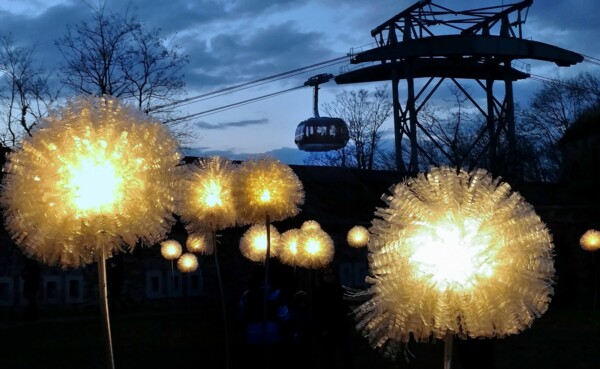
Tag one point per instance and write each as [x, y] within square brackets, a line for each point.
[241, 123]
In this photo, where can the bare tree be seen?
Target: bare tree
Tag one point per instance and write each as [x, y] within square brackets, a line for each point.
[25, 91]
[114, 54]
[365, 114]
[553, 109]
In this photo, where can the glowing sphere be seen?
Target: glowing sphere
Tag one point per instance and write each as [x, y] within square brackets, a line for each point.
[590, 240]
[358, 236]
[170, 249]
[310, 224]
[206, 201]
[200, 243]
[288, 246]
[253, 243]
[454, 252]
[267, 186]
[187, 263]
[95, 175]
[315, 249]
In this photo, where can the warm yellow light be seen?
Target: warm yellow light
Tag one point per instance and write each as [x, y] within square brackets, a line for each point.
[288, 246]
[310, 224]
[200, 243]
[358, 236]
[206, 202]
[315, 249]
[187, 263]
[267, 186]
[213, 196]
[590, 240]
[265, 196]
[253, 243]
[94, 184]
[454, 252]
[97, 175]
[170, 249]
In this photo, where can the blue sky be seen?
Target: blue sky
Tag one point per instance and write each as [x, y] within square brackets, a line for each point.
[231, 42]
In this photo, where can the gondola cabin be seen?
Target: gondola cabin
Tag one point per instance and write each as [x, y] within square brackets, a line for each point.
[321, 134]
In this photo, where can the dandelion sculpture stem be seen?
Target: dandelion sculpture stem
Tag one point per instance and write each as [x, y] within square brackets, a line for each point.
[266, 290]
[448, 341]
[222, 295]
[103, 295]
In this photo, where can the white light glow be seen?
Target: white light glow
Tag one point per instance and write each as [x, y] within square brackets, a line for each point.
[213, 194]
[94, 184]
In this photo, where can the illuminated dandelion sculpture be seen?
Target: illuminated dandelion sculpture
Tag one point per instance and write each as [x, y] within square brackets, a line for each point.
[358, 236]
[95, 178]
[288, 246]
[253, 244]
[310, 224]
[590, 241]
[200, 243]
[187, 263]
[170, 249]
[267, 190]
[315, 249]
[454, 254]
[207, 205]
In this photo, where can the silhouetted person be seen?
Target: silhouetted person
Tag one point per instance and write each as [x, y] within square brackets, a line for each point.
[331, 324]
[31, 286]
[258, 332]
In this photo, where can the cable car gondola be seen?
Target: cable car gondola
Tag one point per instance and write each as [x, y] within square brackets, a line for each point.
[321, 133]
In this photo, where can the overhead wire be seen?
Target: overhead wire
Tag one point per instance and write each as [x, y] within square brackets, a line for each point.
[249, 84]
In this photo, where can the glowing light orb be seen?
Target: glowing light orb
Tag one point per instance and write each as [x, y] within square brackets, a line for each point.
[187, 263]
[200, 243]
[454, 252]
[590, 240]
[288, 246]
[267, 186]
[96, 175]
[310, 224]
[206, 200]
[170, 249]
[315, 249]
[253, 243]
[358, 236]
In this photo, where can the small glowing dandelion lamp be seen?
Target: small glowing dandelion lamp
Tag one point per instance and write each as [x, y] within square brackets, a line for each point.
[253, 243]
[358, 236]
[170, 249]
[310, 224]
[93, 180]
[288, 246]
[315, 249]
[590, 240]
[187, 263]
[454, 254]
[200, 243]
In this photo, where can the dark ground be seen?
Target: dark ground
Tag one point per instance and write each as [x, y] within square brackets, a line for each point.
[189, 335]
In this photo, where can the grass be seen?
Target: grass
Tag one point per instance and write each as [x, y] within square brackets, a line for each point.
[192, 337]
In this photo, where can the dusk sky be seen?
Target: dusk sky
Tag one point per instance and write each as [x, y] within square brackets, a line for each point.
[232, 42]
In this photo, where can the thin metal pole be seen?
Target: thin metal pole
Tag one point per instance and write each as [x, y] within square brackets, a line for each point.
[103, 295]
[220, 281]
[595, 281]
[266, 291]
[448, 350]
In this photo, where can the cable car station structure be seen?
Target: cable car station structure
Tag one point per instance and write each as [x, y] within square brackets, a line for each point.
[479, 45]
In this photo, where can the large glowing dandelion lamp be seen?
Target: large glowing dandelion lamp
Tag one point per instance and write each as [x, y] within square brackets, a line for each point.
[93, 180]
[207, 205]
[254, 243]
[315, 248]
[454, 254]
